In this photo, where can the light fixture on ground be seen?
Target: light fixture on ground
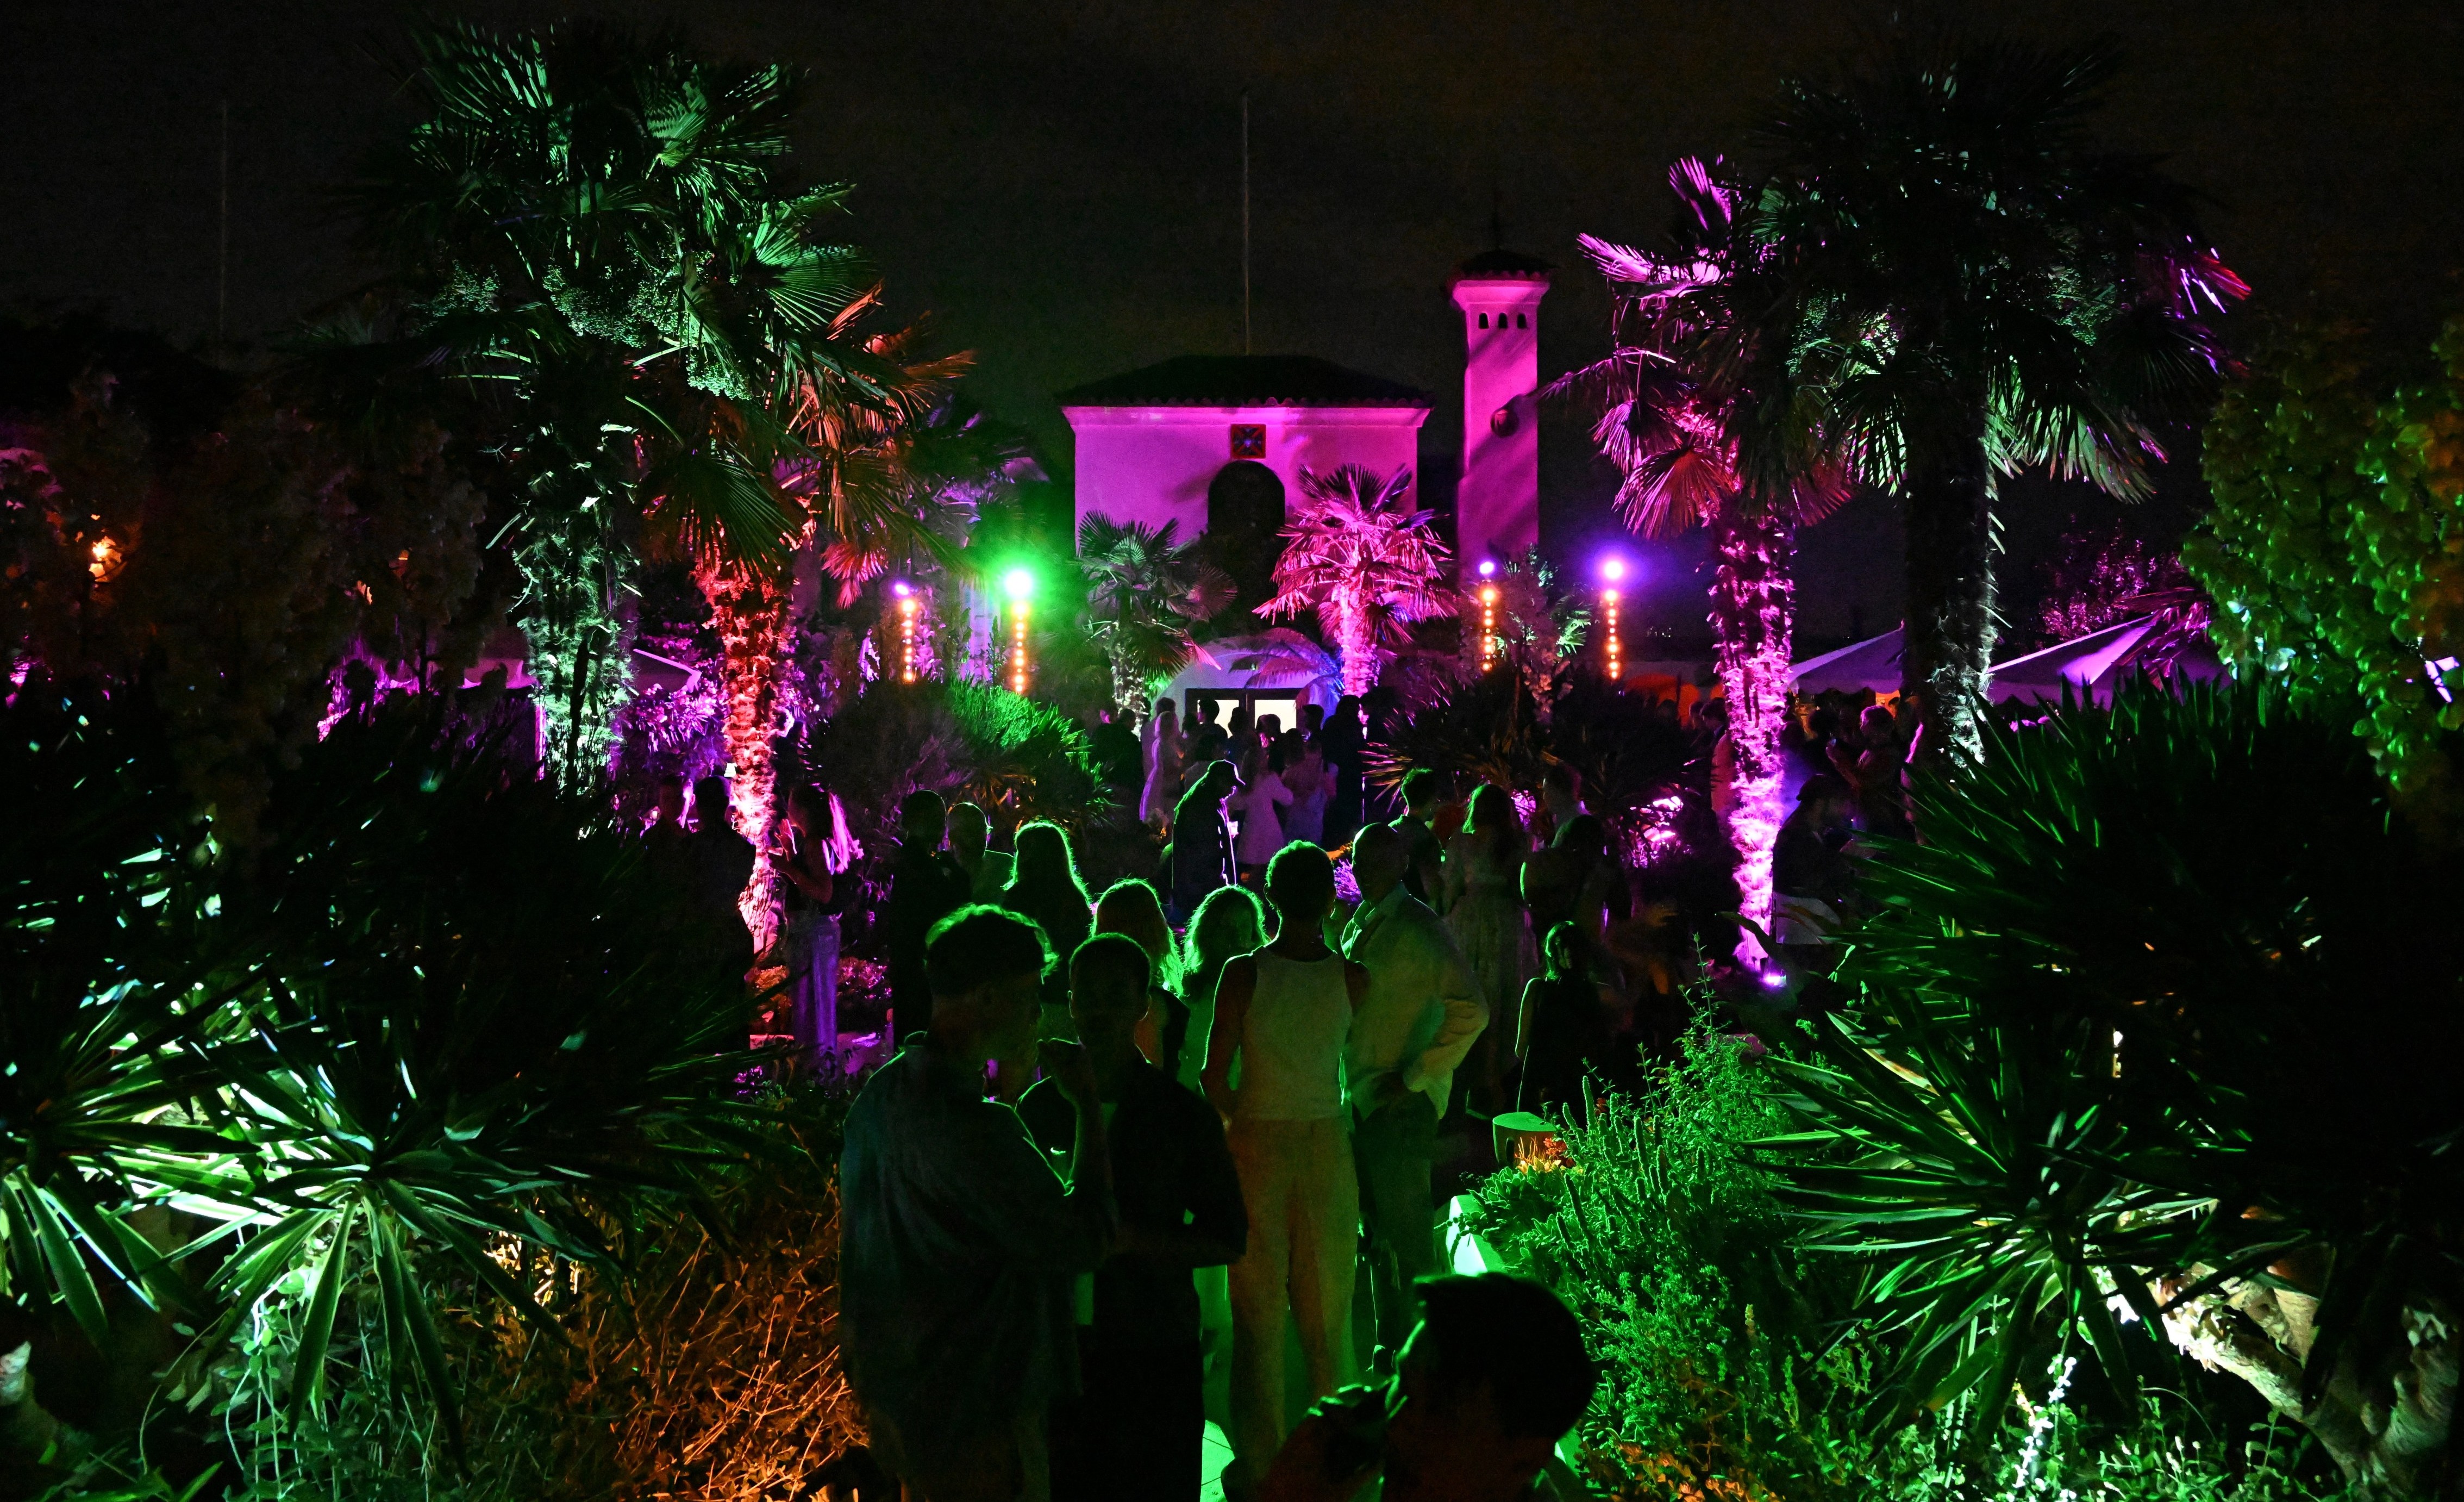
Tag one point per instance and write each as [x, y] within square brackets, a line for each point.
[1019, 585]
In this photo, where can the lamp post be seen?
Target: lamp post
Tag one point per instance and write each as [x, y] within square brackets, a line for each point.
[1613, 575]
[1019, 585]
[906, 604]
[1488, 613]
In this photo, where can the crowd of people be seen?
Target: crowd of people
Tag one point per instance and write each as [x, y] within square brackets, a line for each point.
[1137, 1145]
[1137, 1149]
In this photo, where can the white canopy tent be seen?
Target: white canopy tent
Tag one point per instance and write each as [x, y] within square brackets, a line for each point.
[2090, 668]
[1873, 663]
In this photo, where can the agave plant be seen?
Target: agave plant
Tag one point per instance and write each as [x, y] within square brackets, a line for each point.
[2120, 1045]
[1145, 589]
[1363, 562]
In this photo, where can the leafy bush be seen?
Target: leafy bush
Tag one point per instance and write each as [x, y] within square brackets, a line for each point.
[440, 1008]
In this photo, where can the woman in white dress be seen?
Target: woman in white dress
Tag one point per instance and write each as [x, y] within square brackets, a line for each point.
[1163, 754]
[1261, 806]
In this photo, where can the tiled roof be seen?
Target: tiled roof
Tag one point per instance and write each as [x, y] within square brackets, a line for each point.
[1245, 381]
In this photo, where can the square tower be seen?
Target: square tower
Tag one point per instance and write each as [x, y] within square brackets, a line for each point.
[1497, 503]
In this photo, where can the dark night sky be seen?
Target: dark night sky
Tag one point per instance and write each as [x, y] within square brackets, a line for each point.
[1058, 181]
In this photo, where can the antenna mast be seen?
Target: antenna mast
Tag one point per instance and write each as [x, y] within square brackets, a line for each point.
[222, 248]
[1245, 222]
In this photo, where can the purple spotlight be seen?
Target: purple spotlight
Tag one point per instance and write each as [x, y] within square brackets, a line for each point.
[1774, 979]
[1488, 568]
[1613, 569]
[899, 587]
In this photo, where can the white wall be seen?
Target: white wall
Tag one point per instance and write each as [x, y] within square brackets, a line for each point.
[1152, 464]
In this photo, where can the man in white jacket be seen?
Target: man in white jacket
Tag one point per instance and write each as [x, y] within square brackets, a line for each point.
[1422, 1013]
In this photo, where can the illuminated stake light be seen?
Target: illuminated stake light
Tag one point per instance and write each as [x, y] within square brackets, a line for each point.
[1614, 571]
[1020, 586]
[907, 603]
[1488, 627]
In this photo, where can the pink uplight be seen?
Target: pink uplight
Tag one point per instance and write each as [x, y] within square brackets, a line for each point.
[899, 587]
[1488, 568]
[1613, 569]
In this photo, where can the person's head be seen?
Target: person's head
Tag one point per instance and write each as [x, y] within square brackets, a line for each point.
[1109, 976]
[1584, 832]
[1271, 726]
[668, 801]
[1379, 853]
[808, 811]
[1166, 709]
[1491, 818]
[1824, 800]
[1300, 887]
[970, 830]
[1131, 907]
[710, 803]
[984, 967]
[1228, 924]
[1423, 790]
[1204, 712]
[1558, 950]
[1492, 1378]
[1044, 861]
[923, 819]
[1313, 718]
[1876, 725]
[1347, 710]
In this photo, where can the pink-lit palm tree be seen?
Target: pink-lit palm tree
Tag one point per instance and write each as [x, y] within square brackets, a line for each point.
[1688, 372]
[1367, 564]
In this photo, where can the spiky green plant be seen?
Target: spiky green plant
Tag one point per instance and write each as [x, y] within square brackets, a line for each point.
[2147, 1020]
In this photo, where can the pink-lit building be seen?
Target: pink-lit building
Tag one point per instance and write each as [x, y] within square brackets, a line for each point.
[1172, 441]
[1217, 440]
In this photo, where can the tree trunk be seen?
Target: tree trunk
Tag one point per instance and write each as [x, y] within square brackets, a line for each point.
[1950, 628]
[752, 613]
[580, 644]
[1753, 617]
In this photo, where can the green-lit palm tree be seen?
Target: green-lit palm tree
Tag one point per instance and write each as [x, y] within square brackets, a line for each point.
[596, 240]
[1976, 286]
[1145, 589]
[1365, 562]
[1692, 367]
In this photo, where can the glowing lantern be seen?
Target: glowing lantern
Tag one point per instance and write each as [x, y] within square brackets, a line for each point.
[1019, 585]
[906, 604]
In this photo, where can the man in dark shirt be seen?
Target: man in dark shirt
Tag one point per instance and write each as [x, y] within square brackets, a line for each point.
[1136, 1433]
[927, 884]
[721, 861]
[1201, 840]
[960, 1245]
[1424, 793]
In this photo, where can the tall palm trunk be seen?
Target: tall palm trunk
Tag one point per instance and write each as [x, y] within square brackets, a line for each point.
[1753, 619]
[1949, 630]
[751, 610]
[580, 643]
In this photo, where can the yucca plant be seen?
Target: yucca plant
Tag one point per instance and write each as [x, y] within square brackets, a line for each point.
[441, 1011]
[2149, 1023]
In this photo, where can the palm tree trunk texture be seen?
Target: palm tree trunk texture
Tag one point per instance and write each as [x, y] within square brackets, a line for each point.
[1355, 636]
[1950, 628]
[578, 646]
[751, 612]
[1753, 618]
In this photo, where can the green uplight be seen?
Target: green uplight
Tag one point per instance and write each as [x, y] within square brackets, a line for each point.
[1019, 585]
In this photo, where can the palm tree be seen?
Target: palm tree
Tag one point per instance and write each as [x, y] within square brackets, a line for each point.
[1689, 366]
[1975, 286]
[1145, 589]
[1364, 562]
[595, 240]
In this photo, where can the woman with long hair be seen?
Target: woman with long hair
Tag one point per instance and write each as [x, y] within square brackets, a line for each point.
[1483, 906]
[1130, 908]
[1043, 885]
[1260, 805]
[820, 850]
[1231, 922]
